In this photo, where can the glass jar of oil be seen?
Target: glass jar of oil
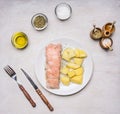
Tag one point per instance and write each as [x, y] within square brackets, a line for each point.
[19, 40]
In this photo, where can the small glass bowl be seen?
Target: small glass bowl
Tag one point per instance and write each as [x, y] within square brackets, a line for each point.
[19, 40]
[63, 11]
[39, 21]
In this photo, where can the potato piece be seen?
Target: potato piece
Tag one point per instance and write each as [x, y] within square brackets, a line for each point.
[77, 79]
[65, 80]
[72, 65]
[71, 73]
[65, 56]
[77, 53]
[68, 53]
[64, 70]
[80, 53]
[79, 71]
[83, 54]
[78, 61]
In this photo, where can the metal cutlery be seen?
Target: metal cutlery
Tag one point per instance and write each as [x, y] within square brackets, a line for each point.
[38, 91]
[13, 75]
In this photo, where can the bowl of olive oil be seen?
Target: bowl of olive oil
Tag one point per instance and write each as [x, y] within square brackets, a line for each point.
[19, 40]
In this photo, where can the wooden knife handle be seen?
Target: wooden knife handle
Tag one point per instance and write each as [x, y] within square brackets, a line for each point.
[44, 100]
[27, 95]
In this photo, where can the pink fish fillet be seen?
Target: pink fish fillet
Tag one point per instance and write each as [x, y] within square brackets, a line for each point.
[53, 62]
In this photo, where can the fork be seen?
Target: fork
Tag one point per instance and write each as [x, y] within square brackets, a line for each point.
[12, 74]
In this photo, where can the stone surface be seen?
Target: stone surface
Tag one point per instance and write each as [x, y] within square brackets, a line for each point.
[100, 96]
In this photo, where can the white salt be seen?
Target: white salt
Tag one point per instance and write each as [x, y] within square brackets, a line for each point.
[63, 11]
[107, 41]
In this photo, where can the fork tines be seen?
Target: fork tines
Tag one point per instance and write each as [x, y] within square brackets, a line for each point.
[9, 70]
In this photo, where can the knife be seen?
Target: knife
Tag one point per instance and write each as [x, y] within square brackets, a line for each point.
[38, 91]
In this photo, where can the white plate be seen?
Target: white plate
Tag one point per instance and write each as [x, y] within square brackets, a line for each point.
[63, 90]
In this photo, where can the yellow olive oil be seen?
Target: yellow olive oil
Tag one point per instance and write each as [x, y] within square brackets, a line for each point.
[19, 40]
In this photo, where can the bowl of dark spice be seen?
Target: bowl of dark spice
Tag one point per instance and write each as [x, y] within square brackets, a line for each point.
[39, 21]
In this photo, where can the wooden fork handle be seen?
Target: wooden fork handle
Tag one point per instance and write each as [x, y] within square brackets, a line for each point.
[27, 95]
[44, 99]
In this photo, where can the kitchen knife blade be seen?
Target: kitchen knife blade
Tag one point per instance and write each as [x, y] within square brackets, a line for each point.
[38, 91]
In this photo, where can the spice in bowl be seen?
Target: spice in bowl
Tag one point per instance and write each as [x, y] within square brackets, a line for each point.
[19, 40]
[108, 29]
[39, 21]
[96, 33]
[106, 43]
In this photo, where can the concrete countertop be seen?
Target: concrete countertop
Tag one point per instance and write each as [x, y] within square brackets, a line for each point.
[100, 96]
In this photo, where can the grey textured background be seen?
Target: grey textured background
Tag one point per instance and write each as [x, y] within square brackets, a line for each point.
[102, 94]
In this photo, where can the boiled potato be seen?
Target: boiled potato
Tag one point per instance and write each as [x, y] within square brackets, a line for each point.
[83, 54]
[79, 71]
[72, 65]
[65, 56]
[72, 69]
[71, 73]
[80, 53]
[78, 61]
[77, 79]
[77, 53]
[65, 80]
[68, 53]
[64, 70]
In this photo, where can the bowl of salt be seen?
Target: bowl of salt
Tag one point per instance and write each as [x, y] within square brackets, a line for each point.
[63, 11]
